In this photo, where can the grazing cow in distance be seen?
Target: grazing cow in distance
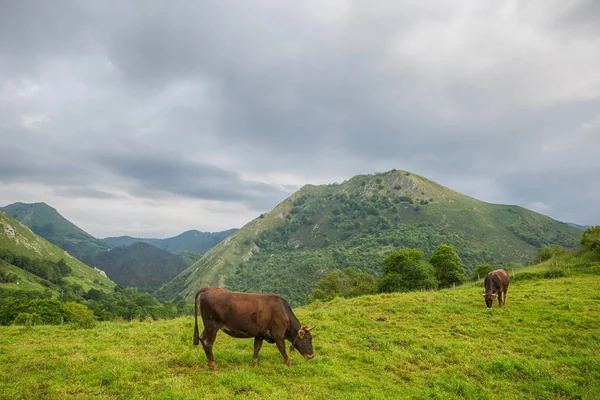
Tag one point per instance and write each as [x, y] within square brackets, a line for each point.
[496, 285]
[244, 315]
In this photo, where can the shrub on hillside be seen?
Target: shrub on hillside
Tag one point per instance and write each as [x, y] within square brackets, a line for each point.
[404, 270]
[481, 271]
[49, 310]
[27, 319]
[590, 239]
[546, 253]
[79, 315]
[449, 269]
[349, 283]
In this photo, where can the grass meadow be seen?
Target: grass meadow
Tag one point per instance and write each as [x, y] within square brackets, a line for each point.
[545, 344]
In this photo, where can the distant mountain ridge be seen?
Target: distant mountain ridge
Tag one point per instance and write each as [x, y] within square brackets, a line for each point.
[140, 264]
[47, 222]
[580, 227]
[17, 238]
[192, 240]
[355, 224]
[52, 226]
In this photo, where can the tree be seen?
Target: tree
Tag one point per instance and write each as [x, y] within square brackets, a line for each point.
[482, 270]
[390, 283]
[349, 283]
[546, 253]
[449, 269]
[590, 239]
[63, 268]
[405, 270]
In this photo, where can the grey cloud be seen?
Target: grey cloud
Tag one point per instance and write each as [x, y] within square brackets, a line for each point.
[84, 192]
[171, 173]
[201, 94]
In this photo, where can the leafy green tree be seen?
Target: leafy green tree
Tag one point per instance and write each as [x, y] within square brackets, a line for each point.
[449, 269]
[78, 314]
[546, 253]
[349, 283]
[390, 283]
[482, 270]
[405, 270]
[590, 239]
[63, 268]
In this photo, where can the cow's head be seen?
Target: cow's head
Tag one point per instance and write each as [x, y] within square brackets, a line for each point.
[303, 342]
[489, 298]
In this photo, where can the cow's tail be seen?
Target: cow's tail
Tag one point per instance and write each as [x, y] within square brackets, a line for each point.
[196, 332]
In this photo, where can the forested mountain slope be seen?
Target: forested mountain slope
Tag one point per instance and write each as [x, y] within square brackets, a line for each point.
[355, 224]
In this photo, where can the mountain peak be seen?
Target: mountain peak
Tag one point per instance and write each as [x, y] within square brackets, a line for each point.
[356, 223]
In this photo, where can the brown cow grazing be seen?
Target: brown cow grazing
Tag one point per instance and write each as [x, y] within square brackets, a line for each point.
[496, 284]
[243, 315]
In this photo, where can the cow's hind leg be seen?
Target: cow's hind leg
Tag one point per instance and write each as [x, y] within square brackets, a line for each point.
[281, 346]
[504, 297]
[209, 334]
[500, 299]
[257, 345]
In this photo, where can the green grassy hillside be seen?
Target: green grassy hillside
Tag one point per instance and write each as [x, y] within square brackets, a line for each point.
[190, 241]
[49, 224]
[20, 240]
[355, 224]
[545, 344]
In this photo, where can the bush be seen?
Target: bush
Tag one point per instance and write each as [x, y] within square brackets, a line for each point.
[405, 270]
[590, 239]
[79, 315]
[349, 283]
[27, 319]
[554, 273]
[482, 270]
[48, 309]
[449, 269]
[546, 253]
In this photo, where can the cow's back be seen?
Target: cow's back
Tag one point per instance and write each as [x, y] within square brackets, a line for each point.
[251, 313]
[497, 280]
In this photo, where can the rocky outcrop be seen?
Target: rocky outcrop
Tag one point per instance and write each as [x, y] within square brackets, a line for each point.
[8, 230]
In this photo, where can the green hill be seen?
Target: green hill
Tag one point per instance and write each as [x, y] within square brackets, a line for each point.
[49, 224]
[190, 241]
[544, 344]
[355, 224]
[19, 240]
[140, 265]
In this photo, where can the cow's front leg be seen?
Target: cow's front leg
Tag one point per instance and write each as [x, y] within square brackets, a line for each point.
[500, 299]
[504, 298]
[281, 346]
[257, 345]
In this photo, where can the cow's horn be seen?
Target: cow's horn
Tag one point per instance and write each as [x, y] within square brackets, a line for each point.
[308, 328]
[483, 294]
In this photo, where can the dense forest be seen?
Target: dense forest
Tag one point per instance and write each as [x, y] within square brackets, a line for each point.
[73, 304]
[327, 230]
[139, 265]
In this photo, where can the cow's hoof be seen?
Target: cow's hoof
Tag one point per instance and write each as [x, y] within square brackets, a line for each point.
[213, 366]
[254, 363]
[289, 362]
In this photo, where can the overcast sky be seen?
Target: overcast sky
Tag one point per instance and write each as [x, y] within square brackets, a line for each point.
[149, 118]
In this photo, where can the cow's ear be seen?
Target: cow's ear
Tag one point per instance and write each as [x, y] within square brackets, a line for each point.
[301, 333]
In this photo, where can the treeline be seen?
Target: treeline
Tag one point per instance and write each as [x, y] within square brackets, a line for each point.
[45, 269]
[407, 270]
[74, 305]
[403, 270]
[139, 265]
